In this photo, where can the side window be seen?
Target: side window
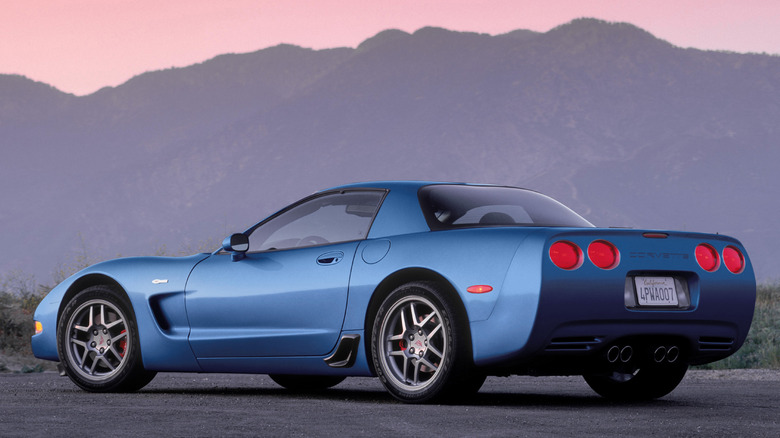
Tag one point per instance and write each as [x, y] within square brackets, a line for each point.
[330, 218]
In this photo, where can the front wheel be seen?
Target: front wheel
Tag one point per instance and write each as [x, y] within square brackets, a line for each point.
[418, 349]
[97, 339]
[646, 383]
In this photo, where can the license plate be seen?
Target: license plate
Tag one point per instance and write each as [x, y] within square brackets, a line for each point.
[655, 291]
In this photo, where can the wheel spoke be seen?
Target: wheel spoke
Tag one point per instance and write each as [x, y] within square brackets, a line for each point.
[392, 338]
[116, 353]
[416, 379]
[427, 318]
[84, 356]
[94, 365]
[435, 351]
[414, 314]
[91, 314]
[118, 321]
[78, 342]
[118, 337]
[108, 364]
[434, 331]
[428, 363]
[102, 314]
[80, 328]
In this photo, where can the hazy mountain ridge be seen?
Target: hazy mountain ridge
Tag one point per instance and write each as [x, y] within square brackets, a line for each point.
[625, 128]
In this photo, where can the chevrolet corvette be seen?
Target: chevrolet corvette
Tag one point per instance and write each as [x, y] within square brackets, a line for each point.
[431, 287]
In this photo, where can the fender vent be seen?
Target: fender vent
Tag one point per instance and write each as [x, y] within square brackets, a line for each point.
[712, 343]
[574, 343]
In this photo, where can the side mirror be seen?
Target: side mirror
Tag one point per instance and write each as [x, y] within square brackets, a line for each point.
[238, 244]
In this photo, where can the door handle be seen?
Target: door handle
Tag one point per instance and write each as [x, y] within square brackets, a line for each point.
[330, 258]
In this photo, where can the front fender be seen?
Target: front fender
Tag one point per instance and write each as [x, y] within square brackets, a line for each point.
[155, 287]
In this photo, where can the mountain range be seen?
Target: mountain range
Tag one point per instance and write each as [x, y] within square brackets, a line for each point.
[623, 127]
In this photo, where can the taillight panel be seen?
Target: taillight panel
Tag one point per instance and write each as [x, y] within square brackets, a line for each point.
[605, 255]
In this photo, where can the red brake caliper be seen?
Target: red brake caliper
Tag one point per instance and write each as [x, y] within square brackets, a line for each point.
[123, 344]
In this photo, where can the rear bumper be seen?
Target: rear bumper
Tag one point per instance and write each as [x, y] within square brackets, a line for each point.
[579, 348]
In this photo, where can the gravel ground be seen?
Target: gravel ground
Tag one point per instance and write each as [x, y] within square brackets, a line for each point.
[763, 375]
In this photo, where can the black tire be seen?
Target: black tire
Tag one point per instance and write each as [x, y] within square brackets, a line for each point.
[306, 383]
[97, 341]
[419, 350]
[647, 383]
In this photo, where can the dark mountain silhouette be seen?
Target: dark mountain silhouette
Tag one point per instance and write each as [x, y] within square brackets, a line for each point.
[623, 127]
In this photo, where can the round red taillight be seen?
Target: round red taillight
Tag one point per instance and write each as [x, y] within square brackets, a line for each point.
[566, 255]
[733, 259]
[707, 257]
[603, 254]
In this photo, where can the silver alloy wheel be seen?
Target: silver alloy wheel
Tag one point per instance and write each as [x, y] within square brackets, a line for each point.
[414, 341]
[98, 340]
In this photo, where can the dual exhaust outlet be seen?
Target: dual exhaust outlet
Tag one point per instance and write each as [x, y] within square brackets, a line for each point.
[660, 354]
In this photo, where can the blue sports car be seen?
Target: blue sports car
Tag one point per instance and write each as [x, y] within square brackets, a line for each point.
[429, 286]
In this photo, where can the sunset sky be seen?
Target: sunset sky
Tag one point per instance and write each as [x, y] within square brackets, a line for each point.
[80, 46]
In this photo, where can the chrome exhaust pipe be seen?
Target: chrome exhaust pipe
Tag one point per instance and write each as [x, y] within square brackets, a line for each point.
[626, 353]
[672, 354]
[613, 354]
[660, 354]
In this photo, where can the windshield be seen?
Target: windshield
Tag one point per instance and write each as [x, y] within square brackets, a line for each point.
[458, 206]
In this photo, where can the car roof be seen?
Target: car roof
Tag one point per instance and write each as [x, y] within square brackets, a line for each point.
[389, 185]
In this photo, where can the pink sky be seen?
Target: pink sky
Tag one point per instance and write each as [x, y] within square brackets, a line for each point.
[80, 46]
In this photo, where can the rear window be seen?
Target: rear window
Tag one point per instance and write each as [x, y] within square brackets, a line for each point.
[463, 206]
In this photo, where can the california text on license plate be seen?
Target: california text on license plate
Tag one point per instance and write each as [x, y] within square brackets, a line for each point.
[656, 291]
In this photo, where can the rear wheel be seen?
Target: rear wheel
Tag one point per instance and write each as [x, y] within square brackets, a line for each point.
[646, 383]
[418, 348]
[97, 341]
[306, 383]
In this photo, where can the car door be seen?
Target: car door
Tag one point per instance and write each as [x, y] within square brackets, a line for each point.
[288, 297]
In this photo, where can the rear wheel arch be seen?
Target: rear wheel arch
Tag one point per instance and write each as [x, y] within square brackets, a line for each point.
[400, 278]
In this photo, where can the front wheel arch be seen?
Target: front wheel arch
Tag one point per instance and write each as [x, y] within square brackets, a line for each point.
[86, 282]
[412, 275]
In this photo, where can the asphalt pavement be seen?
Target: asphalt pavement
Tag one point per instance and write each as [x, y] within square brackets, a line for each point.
[706, 404]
